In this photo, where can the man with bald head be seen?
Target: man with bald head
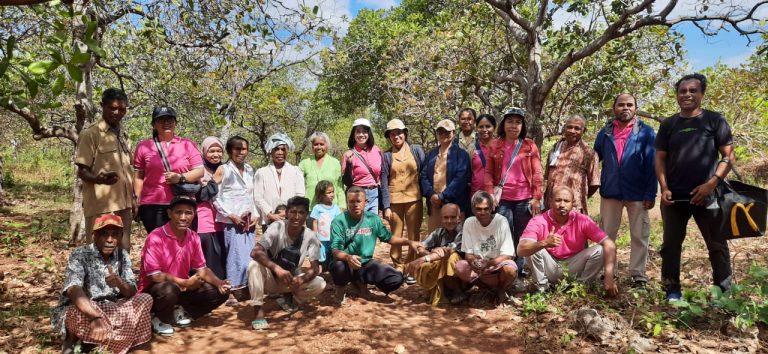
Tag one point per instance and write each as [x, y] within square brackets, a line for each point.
[435, 269]
[573, 164]
[628, 180]
[559, 237]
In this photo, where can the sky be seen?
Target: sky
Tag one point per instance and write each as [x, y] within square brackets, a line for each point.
[728, 47]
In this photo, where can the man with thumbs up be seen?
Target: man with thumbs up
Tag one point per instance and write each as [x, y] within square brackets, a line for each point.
[559, 237]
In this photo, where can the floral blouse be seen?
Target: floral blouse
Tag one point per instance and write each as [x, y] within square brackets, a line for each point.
[87, 269]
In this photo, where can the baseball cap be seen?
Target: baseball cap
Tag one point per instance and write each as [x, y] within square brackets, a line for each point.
[446, 124]
[361, 121]
[163, 111]
[394, 124]
[107, 220]
[182, 199]
[514, 111]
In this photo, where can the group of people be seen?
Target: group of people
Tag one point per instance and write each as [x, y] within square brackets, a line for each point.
[495, 216]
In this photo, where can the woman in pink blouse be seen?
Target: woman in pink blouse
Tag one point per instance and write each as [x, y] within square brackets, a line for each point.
[485, 124]
[152, 183]
[364, 158]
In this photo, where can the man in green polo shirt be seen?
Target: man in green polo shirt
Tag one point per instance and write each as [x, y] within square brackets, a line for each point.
[353, 241]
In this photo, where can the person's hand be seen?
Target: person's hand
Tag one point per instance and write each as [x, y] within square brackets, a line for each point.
[666, 197]
[109, 177]
[535, 206]
[354, 262]
[553, 239]
[274, 217]
[113, 280]
[224, 287]
[285, 276]
[254, 222]
[420, 249]
[649, 204]
[99, 331]
[479, 264]
[702, 192]
[193, 282]
[414, 266]
[298, 281]
[347, 157]
[172, 177]
[388, 214]
[435, 200]
[237, 221]
[610, 286]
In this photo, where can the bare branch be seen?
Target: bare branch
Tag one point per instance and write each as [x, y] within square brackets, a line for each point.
[40, 132]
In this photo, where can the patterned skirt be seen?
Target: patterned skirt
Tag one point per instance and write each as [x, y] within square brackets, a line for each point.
[128, 322]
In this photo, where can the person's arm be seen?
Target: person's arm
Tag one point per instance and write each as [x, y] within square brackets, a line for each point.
[259, 254]
[661, 174]
[189, 283]
[609, 258]
[209, 277]
[87, 175]
[98, 325]
[527, 247]
[386, 164]
[311, 273]
[259, 192]
[115, 281]
[703, 191]
[399, 241]
[490, 165]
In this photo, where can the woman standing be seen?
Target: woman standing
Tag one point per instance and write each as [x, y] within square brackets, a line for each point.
[322, 166]
[211, 238]
[400, 192]
[485, 124]
[152, 182]
[364, 158]
[277, 182]
[237, 211]
[513, 175]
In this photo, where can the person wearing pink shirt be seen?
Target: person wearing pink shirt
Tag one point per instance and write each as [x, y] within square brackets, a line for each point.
[211, 236]
[485, 124]
[152, 183]
[170, 252]
[559, 237]
[365, 159]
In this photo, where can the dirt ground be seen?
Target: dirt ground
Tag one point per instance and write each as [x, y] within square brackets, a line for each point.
[34, 255]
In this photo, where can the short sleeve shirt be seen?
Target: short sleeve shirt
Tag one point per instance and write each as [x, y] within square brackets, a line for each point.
[324, 216]
[276, 238]
[441, 238]
[576, 167]
[487, 241]
[361, 243]
[182, 155]
[163, 252]
[577, 230]
[692, 146]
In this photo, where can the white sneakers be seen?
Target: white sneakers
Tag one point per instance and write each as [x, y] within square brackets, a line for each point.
[180, 319]
[161, 328]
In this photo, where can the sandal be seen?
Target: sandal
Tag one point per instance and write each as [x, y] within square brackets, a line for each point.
[287, 305]
[260, 325]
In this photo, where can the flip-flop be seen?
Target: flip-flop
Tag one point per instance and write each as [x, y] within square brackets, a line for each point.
[260, 325]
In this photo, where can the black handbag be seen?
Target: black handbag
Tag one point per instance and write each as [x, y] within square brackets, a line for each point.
[288, 258]
[347, 177]
[744, 209]
[208, 191]
[178, 188]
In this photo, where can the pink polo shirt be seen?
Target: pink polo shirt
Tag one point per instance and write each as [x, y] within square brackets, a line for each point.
[182, 155]
[516, 186]
[577, 230]
[360, 174]
[621, 135]
[163, 252]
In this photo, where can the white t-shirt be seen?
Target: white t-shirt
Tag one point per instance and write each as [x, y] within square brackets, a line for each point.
[490, 241]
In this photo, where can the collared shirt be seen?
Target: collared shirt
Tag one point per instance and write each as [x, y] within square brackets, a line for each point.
[87, 269]
[164, 252]
[330, 170]
[621, 135]
[467, 143]
[271, 190]
[575, 167]
[404, 177]
[183, 156]
[439, 180]
[440, 239]
[105, 149]
[577, 230]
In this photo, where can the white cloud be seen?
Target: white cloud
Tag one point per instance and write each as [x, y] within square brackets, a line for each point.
[378, 4]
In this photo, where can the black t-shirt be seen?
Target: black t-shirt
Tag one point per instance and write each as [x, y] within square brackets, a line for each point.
[692, 146]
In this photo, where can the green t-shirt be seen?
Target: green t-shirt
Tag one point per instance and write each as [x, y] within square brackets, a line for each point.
[362, 243]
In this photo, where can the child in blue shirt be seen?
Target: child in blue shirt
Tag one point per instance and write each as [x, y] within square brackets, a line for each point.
[322, 215]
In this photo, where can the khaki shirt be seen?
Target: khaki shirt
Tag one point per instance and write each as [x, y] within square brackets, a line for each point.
[99, 149]
[441, 171]
[404, 177]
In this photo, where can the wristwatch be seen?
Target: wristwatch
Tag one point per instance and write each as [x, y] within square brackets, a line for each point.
[182, 179]
[426, 259]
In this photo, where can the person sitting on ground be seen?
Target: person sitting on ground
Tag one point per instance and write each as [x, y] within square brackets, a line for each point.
[169, 254]
[98, 304]
[278, 260]
[435, 269]
[488, 247]
[559, 237]
[353, 240]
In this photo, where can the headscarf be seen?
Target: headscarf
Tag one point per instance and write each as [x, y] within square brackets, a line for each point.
[209, 166]
[276, 140]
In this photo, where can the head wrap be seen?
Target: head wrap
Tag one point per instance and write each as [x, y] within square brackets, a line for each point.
[276, 140]
[209, 166]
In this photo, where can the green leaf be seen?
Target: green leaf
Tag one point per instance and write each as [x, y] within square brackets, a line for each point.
[41, 67]
[3, 67]
[94, 47]
[58, 85]
[56, 55]
[80, 58]
[315, 9]
[9, 47]
[32, 88]
[75, 73]
[90, 29]
[52, 105]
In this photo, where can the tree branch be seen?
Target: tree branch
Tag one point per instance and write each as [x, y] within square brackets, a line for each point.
[40, 132]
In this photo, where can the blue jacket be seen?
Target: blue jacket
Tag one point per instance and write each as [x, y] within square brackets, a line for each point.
[457, 177]
[418, 155]
[635, 178]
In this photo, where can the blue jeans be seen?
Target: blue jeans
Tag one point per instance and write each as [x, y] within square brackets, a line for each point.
[517, 214]
[372, 200]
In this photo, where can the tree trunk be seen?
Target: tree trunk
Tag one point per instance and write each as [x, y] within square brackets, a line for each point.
[76, 216]
[2, 177]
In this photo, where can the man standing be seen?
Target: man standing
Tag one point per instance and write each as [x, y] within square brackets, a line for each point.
[278, 260]
[688, 169]
[353, 240]
[559, 237]
[628, 180]
[573, 164]
[103, 162]
[466, 136]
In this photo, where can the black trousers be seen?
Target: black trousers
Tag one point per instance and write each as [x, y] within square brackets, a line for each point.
[153, 216]
[198, 302]
[214, 253]
[675, 219]
[384, 277]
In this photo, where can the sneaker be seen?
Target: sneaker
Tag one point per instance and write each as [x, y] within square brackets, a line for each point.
[340, 295]
[180, 316]
[674, 295]
[410, 280]
[161, 328]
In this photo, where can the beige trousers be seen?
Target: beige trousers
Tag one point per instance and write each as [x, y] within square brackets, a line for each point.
[585, 266]
[262, 281]
[125, 214]
[639, 231]
[410, 216]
